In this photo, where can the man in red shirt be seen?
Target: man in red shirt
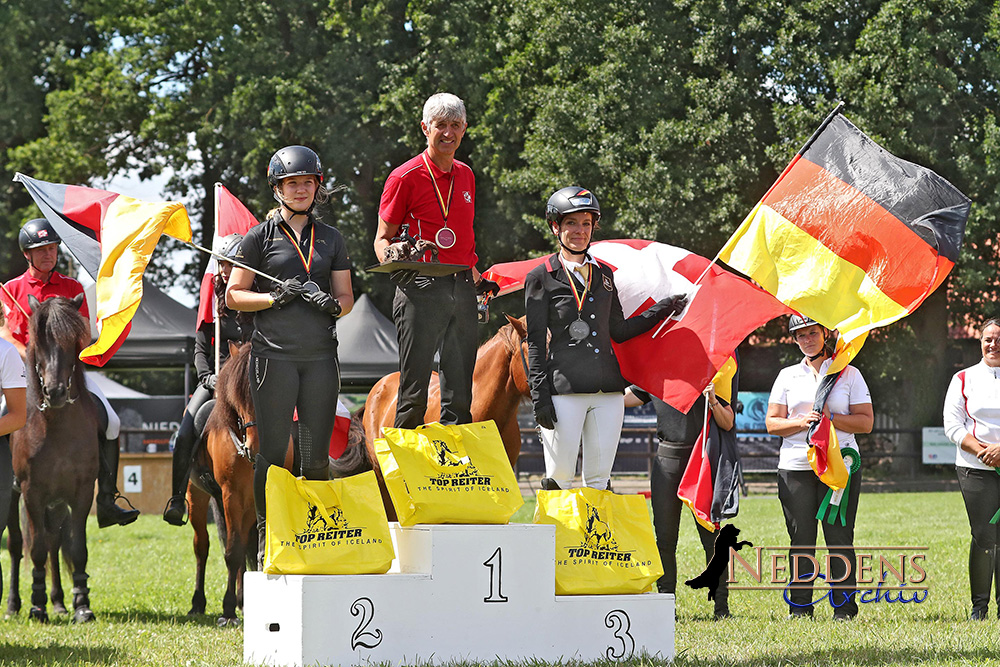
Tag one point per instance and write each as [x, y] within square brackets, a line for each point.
[435, 195]
[40, 244]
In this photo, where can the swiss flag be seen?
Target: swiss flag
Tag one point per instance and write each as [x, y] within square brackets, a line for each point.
[676, 360]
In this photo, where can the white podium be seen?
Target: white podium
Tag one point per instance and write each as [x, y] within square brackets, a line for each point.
[474, 593]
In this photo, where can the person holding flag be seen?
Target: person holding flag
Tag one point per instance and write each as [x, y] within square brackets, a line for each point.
[233, 326]
[576, 383]
[972, 422]
[679, 434]
[293, 362]
[793, 415]
[39, 244]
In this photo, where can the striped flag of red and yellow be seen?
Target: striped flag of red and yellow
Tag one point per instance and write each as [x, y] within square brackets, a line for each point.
[851, 235]
[113, 237]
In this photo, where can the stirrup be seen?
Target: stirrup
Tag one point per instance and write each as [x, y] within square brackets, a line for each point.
[170, 517]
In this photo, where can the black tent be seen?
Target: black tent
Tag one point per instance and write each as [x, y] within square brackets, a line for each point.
[162, 336]
[162, 332]
[367, 345]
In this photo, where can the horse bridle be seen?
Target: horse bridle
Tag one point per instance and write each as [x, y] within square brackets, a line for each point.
[241, 442]
[44, 404]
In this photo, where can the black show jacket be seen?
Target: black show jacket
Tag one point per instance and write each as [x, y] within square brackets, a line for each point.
[589, 366]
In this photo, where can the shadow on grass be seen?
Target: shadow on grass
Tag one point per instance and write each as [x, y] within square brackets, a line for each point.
[14, 654]
[866, 655]
[207, 620]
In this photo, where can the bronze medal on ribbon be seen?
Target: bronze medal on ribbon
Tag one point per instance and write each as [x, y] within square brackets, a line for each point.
[445, 237]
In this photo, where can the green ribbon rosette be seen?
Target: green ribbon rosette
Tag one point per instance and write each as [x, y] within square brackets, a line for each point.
[835, 503]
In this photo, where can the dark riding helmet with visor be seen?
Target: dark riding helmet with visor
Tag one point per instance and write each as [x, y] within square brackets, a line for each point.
[571, 200]
[37, 233]
[293, 161]
[229, 246]
[797, 322]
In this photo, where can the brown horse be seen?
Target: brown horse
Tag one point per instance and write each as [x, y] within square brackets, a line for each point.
[55, 455]
[222, 472]
[499, 383]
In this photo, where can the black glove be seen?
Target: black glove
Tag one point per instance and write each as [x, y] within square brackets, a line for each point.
[286, 291]
[545, 414]
[208, 382]
[403, 277]
[324, 302]
[487, 287]
[664, 308]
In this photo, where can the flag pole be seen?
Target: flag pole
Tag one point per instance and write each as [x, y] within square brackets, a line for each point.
[215, 315]
[809, 142]
[10, 296]
[232, 261]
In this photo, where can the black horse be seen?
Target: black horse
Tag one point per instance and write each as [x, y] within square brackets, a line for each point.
[55, 456]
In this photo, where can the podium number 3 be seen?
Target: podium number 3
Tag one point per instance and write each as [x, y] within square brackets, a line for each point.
[618, 621]
[365, 608]
[495, 563]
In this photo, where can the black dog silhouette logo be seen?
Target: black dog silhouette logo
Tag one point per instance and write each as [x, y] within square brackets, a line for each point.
[728, 538]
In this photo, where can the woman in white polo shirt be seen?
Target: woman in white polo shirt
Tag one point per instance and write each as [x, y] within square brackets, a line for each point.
[972, 421]
[790, 413]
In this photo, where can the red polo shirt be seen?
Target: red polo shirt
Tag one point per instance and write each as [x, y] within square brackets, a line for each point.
[409, 196]
[22, 286]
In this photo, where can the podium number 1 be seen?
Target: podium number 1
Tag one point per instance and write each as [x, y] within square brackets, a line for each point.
[495, 563]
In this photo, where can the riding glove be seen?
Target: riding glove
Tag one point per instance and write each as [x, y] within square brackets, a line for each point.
[667, 307]
[208, 382]
[403, 277]
[285, 292]
[324, 302]
[545, 414]
[487, 287]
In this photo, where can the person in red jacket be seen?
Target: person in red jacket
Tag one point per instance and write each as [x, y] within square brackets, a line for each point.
[39, 243]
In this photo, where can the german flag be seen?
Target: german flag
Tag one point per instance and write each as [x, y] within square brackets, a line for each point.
[851, 235]
[113, 237]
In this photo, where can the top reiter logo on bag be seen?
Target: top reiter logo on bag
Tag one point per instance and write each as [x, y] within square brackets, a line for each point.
[598, 541]
[321, 531]
[466, 473]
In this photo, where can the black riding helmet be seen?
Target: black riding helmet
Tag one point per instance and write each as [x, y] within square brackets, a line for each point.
[570, 200]
[293, 161]
[36, 233]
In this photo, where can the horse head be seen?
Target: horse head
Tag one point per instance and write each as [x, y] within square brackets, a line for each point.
[517, 338]
[57, 333]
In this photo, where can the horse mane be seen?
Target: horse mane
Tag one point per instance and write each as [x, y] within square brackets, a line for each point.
[508, 336]
[57, 323]
[231, 390]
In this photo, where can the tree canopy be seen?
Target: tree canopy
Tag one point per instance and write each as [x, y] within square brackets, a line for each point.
[678, 113]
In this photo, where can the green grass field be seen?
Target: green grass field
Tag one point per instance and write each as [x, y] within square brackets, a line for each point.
[142, 577]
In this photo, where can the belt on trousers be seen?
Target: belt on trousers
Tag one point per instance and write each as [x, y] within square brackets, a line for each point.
[674, 450]
[467, 273]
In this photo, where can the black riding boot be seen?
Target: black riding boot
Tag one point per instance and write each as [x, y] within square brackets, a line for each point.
[108, 513]
[173, 513]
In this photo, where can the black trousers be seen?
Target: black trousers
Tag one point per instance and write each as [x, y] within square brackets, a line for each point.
[278, 388]
[436, 315]
[668, 468]
[981, 492]
[801, 493]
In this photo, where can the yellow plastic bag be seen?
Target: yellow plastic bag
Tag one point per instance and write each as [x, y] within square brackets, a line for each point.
[604, 541]
[325, 527]
[448, 474]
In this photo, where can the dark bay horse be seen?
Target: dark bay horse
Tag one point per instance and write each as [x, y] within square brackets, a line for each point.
[55, 455]
[222, 472]
[499, 383]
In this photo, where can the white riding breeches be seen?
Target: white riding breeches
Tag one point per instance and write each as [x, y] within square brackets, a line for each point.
[594, 419]
[114, 423]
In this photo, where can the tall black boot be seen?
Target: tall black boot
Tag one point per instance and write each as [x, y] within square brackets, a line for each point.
[108, 513]
[261, 541]
[182, 441]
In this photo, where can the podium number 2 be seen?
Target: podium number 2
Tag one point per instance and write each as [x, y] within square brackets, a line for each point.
[361, 637]
[495, 563]
[619, 621]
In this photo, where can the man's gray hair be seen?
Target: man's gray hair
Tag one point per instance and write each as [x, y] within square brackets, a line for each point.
[443, 106]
